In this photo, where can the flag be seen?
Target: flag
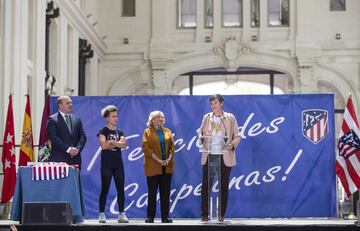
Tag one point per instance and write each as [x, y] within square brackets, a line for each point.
[50, 171]
[44, 142]
[348, 158]
[27, 143]
[8, 156]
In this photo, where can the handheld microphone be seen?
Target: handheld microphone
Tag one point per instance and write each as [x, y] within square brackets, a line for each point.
[202, 138]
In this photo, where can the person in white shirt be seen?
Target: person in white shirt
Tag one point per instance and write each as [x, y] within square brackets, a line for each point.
[219, 135]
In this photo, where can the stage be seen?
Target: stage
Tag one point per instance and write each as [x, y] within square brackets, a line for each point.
[195, 224]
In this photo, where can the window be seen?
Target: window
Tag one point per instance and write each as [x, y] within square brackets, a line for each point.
[186, 13]
[278, 12]
[337, 5]
[232, 13]
[128, 8]
[255, 13]
[209, 13]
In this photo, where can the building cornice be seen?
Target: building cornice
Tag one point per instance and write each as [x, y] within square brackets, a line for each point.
[79, 21]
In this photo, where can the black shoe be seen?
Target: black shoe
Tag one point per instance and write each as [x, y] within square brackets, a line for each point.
[221, 219]
[149, 220]
[166, 220]
[204, 218]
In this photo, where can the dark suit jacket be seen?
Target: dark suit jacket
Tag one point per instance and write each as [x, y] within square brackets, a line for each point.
[61, 139]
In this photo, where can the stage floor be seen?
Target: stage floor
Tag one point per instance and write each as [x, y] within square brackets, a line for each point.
[230, 221]
[195, 224]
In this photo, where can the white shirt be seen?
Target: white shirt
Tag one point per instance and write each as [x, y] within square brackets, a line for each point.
[217, 137]
[63, 115]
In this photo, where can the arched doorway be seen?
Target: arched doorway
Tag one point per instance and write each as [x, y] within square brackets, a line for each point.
[244, 80]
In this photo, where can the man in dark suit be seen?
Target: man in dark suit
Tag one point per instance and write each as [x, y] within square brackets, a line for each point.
[66, 134]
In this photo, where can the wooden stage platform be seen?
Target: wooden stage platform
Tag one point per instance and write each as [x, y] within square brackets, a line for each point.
[195, 224]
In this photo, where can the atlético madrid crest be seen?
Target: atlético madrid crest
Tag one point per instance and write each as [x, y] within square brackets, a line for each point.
[315, 124]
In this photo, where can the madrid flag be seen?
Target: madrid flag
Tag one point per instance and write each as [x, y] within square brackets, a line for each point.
[8, 156]
[348, 158]
[27, 143]
[44, 142]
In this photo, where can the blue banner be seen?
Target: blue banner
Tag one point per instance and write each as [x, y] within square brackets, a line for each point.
[285, 160]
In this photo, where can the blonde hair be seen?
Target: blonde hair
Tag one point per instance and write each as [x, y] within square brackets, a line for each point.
[152, 115]
[105, 112]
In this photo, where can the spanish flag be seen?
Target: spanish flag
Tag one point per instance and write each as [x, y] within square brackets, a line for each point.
[27, 144]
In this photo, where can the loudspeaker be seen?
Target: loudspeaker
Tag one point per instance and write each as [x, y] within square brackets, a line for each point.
[357, 223]
[45, 213]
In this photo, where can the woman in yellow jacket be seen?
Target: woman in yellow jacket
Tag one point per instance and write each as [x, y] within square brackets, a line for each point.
[158, 148]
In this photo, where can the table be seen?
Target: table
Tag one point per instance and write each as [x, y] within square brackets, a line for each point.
[67, 189]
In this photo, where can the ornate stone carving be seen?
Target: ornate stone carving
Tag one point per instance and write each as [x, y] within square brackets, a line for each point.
[230, 52]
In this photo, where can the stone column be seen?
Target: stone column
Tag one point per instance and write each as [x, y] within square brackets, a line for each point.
[160, 22]
[62, 53]
[6, 15]
[306, 65]
[74, 74]
[306, 77]
[38, 80]
[246, 21]
[200, 22]
[160, 81]
[263, 19]
[92, 75]
[20, 64]
[159, 74]
[217, 19]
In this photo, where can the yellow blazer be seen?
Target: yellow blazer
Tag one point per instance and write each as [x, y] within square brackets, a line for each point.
[150, 145]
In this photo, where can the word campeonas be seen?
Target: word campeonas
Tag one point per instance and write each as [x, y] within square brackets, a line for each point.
[184, 191]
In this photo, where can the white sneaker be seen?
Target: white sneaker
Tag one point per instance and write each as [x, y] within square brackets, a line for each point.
[122, 218]
[102, 218]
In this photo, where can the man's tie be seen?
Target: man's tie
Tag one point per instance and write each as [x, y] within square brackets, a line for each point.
[68, 123]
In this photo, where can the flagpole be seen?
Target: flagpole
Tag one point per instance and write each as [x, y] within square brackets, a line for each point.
[351, 215]
[355, 205]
